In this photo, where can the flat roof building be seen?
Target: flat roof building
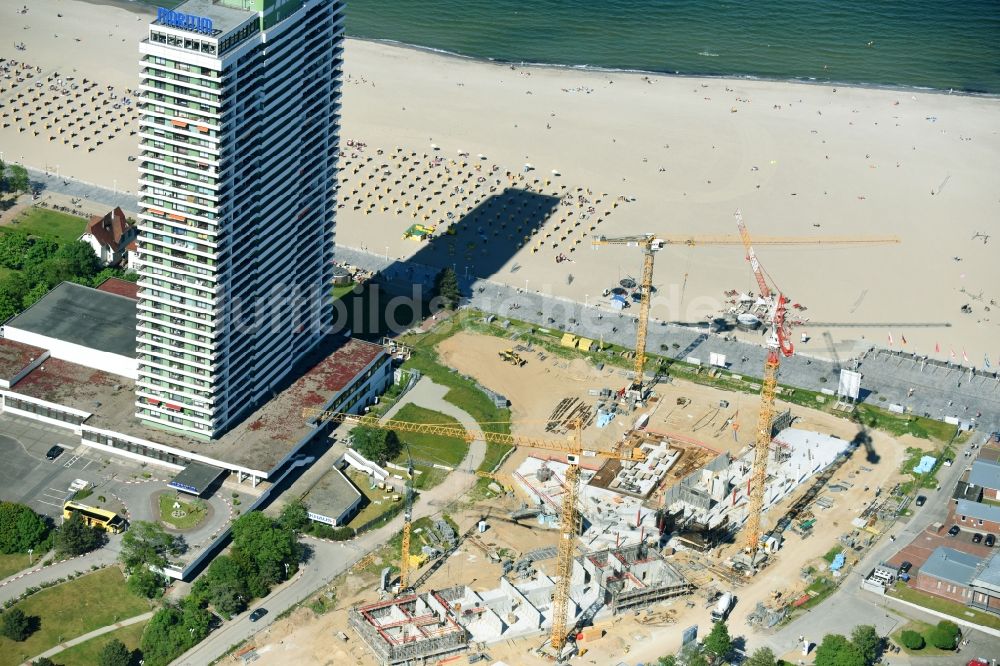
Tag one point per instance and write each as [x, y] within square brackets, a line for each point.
[83, 325]
[239, 133]
[333, 500]
[342, 374]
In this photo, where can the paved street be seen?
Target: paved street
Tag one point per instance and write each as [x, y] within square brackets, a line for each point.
[939, 390]
[329, 560]
[850, 605]
[49, 182]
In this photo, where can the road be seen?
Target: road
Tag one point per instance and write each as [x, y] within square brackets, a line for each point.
[330, 560]
[849, 605]
[939, 390]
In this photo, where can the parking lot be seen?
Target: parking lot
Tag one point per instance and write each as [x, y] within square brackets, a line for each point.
[128, 486]
[27, 477]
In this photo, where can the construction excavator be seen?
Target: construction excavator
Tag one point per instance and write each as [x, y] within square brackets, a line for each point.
[570, 520]
[512, 357]
[779, 340]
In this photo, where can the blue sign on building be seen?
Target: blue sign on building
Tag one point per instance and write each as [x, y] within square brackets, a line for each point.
[184, 21]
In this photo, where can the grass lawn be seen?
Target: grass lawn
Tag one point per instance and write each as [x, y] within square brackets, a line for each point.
[924, 629]
[471, 320]
[342, 290]
[60, 227]
[431, 448]
[88, 653]
[11, 564]
[72, 609]
[904, 592]
[377, 499]
[193, 513]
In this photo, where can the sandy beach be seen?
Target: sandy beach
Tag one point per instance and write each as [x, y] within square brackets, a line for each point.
[662, 154]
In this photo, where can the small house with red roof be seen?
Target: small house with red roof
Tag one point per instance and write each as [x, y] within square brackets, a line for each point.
[111, 237]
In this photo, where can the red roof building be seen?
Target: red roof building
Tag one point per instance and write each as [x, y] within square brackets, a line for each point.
[110, 237]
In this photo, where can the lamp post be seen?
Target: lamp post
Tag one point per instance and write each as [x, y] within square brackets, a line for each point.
[387, 253]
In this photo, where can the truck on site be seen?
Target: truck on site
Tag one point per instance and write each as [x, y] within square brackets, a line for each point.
[723, 606]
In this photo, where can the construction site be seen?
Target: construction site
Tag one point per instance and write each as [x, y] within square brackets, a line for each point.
[627, 502]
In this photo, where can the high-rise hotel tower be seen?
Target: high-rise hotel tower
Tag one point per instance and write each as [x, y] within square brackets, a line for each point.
[238, 149]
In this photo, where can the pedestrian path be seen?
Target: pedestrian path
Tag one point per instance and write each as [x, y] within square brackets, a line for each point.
[429, 395]
[93, 634]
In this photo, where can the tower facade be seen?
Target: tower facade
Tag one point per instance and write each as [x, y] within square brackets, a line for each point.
[239, 133]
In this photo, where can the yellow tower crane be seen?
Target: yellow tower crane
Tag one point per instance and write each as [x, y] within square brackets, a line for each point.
[569, 526]
[404, 560]
[651, 243]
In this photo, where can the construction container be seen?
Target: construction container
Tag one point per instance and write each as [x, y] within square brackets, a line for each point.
[589, 634]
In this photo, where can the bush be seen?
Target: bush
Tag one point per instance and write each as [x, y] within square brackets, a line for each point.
[323, 531]
[945, 635]
[911, 640]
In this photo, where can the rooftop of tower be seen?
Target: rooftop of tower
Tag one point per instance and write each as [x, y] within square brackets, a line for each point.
[225, 16]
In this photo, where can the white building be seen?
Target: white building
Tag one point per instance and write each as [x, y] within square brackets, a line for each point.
[239, 135]
[110, 237]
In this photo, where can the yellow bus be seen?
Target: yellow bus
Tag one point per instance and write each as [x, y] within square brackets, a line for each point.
[109, 521]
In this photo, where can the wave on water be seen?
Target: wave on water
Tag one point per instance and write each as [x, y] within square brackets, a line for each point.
[806, 80]
[708, 55]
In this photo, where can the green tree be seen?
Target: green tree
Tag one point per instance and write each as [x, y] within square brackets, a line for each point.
[75, 537]
[376, 445]
[446, 288]
[41, 250]
[148, 544]
[224, 586]
[172, 631]
[718, 643]
[20, 528]
[146, 583]
[691, 655]
[115, 654]
[911, 640]
[43, 661]
[294, 517]
[263, 548]
[14, 246]
[17, 178]
[762, 657]
[16, 625]
[868, 643]
[945, 635]
[34, 295]
[836, 650]
[76, 259]
[667, 660]
[9, 305]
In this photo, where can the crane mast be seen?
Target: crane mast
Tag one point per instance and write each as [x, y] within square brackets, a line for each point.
[569, 527]
[778, 344]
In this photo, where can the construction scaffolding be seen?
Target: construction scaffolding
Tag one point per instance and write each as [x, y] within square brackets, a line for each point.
[634, 577]
[413, 629]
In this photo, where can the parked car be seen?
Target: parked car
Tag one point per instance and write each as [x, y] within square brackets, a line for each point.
[905, 566]
[990, 540]
[977, 537]
[955, 529]
[257, 614]
[920, 500]
[54, 452]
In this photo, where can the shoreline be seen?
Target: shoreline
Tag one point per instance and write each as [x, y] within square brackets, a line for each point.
[600, 69]
[141, 7]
